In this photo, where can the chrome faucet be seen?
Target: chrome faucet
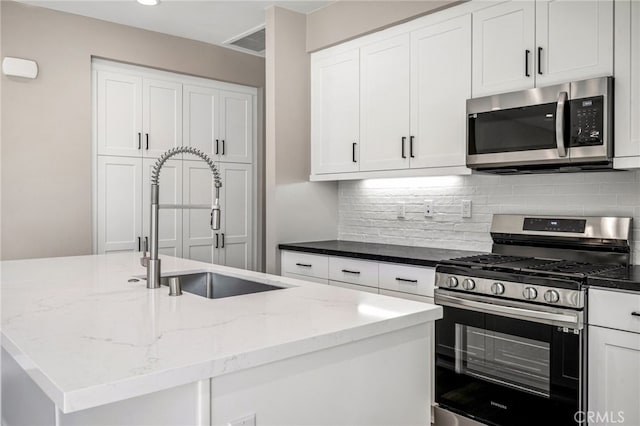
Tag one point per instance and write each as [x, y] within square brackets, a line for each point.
[152, 263]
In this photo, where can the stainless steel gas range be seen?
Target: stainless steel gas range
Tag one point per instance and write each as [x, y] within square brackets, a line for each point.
[510, 348]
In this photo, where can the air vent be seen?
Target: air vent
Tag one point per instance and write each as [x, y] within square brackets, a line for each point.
[253, 41]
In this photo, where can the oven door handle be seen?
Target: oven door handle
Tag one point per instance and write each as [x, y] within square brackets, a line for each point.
[562, 101]
[570, 320]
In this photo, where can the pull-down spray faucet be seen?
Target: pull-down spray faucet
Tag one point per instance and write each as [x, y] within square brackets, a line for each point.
[152, 263]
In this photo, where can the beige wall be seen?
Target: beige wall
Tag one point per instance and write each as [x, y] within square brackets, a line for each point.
[344, 20]
[296, 209]
[46, 123]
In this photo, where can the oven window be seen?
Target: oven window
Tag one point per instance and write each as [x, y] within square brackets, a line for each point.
[503, 359]
[512, 130]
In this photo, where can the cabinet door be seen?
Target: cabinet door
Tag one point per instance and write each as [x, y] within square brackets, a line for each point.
[200, 119]
[236, 127]
[503, 48]
[161, 116]
[198, 238]
[575, 38]
[119, 114]
[119, 201]
[236, 216]
[169, 220]
[614, 377]
[335, 113]
[440, 86]
[385, 103]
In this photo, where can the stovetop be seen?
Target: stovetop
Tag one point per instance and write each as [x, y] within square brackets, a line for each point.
[534, 266]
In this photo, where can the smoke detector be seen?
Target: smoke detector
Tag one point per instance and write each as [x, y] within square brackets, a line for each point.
[252, 41]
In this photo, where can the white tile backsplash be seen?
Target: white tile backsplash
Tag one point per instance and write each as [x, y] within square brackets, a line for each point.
[368, 208]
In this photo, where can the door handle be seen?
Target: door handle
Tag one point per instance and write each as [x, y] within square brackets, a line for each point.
[635, 314]
[222, 240]
[139, 140]
[526, 63]
[146, 244]
[217, 242]
[147, 136]
[406, 280]
[562, 100]
[353, 152]
[139, 240]
[404, 138]
[304, 265]
[540, 60]
[411, 147]
[222, 146]
[347, 271]
[217, 143]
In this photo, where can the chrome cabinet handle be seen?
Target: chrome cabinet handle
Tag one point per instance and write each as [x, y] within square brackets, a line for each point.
[304, 265]
[562, 100]
[346, 271]
[406, 280]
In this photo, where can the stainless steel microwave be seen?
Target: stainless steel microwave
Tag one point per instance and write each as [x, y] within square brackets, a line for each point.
[565, 127]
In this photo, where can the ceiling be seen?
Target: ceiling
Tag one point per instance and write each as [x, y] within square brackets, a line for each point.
[210, 21]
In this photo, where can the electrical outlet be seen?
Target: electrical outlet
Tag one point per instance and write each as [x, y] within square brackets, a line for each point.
[401, 210]
[428, 208]
[249, 420]
[466, 208]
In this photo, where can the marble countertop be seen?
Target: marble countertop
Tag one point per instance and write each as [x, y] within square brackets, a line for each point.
[424, 256]
[89, 337]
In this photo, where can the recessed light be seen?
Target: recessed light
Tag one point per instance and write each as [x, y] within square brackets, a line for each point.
[148, 2]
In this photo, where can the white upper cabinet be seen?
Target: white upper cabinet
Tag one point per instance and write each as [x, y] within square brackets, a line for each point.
[198, 237]
[574, 40]
[161, 116]
[385, 101]
[200, 120]
[440, 86]
[119, 204]
[503, 48]
[119, 114]
[523, 44]
[236, 127]
[335, 112]
[169, 220]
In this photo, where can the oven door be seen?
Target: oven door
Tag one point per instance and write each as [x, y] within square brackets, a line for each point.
[504, 367]
[519, 128]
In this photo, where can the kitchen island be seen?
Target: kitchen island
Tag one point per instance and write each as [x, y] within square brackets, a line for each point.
[85, 342]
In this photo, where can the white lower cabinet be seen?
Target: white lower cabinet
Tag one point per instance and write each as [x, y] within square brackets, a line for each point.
[407, 279]
[614, 358]
[348, 270]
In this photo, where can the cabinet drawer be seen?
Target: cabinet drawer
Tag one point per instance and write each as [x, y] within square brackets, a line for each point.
[407, 279]
[408, 296]
[305, 278]
[614, 309]
[353, 271]
[310, 265]
[354, 287]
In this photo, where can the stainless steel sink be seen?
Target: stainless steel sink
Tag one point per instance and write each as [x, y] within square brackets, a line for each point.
[216, 286]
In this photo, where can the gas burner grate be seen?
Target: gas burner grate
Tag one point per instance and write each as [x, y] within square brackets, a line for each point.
[569, 267]
[488, 259]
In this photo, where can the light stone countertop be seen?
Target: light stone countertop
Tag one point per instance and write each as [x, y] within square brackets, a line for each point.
[88, 337]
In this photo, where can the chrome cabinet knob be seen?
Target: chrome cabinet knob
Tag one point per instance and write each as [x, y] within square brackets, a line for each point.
[530, 293]
[468, 284]
[551, 296]
[452, 282]
[497, 288]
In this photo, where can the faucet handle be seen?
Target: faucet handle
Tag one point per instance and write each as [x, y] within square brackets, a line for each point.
[215, 217]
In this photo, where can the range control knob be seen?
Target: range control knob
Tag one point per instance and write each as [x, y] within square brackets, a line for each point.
[452, 282]
[468, 284]
[551, 296]
[530, 293]
[497, 288]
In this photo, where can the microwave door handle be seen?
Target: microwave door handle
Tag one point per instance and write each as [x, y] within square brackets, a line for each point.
[562, 102]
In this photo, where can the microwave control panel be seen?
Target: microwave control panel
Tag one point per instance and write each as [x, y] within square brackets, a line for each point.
[587, 121]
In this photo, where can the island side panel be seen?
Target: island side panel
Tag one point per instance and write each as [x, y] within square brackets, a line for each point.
[382, 380]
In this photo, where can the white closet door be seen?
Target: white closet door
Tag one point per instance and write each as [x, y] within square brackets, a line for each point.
[169, 220]
[440, 86]
[576, 38]
[236, 121]
[119, 204]
[119, 114]
[335, 113]
[200, 121]
[198, 238]
[237, 207]
[385, 103]
[503, 46]
[162, 116]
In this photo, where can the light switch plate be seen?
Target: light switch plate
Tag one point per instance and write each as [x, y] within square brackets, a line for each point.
[401, 210]
[249, 420]
[428, 208]
[466, 208]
